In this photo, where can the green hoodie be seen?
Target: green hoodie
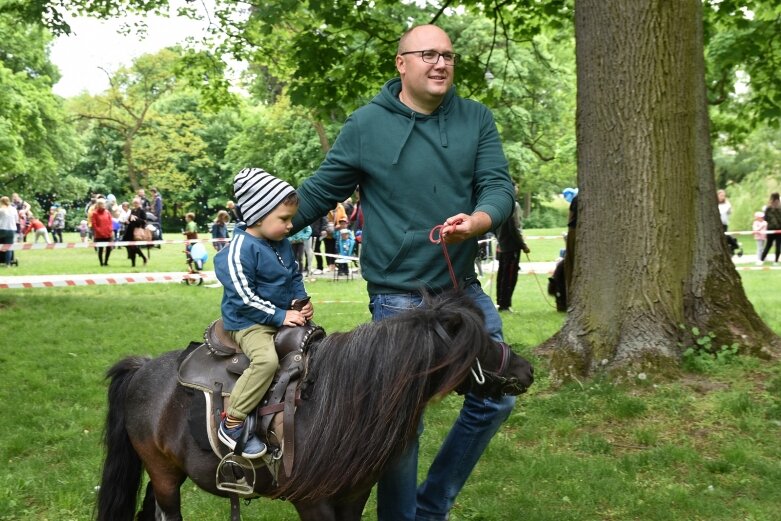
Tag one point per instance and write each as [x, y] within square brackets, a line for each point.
[414, 171]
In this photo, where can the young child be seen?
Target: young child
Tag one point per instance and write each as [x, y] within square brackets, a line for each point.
[759, 227]
[190, 226]
[261, 283]
[83, 230]
[35, 225]
[345, 243]
[220, 229]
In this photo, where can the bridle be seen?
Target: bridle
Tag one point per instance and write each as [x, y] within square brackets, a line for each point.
[484, 382]
[492, 384]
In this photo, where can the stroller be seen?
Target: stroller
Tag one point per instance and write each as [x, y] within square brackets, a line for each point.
[154, 226]
[196, 259]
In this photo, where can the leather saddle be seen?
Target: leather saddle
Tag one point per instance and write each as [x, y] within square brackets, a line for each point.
[214, 366]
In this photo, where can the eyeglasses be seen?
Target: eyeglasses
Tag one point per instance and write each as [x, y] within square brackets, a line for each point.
[431, 56]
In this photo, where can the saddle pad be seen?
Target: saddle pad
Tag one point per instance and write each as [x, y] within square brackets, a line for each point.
[201, 369]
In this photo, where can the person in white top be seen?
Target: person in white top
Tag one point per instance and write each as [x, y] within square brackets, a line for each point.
[725, 208]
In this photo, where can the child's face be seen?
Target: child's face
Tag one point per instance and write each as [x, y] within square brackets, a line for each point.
[276, 225]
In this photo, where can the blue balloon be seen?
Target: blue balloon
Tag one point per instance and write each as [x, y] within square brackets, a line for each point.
[198, 252]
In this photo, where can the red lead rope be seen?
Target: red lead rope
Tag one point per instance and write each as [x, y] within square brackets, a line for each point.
[438, 240]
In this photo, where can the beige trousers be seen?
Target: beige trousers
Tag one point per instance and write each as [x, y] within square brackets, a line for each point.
[257, 342]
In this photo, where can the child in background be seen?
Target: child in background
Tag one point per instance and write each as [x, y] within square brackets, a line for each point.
[345, 244]
[220, 229]
[262, 291]
[759, 227]
[83, 230]
[190, 227]
[35, 225]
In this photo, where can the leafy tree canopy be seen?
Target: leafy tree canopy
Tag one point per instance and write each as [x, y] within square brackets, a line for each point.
[36, 143]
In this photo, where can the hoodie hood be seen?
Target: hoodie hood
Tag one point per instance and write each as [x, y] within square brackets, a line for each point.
[388, 98]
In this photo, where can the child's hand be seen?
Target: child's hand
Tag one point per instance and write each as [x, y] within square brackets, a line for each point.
[294, 318]
[308, 310]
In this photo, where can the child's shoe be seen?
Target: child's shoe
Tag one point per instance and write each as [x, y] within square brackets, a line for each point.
[254, 448]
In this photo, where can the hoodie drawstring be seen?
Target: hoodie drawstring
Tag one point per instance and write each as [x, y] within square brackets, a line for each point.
[442, 129]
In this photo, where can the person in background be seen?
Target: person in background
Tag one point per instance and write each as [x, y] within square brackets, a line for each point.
[22, 207]
[297, 241]
[9, 217]
[22, 224]
[89, 211]
[759, 230]
[773, 219]
[230, 207]
[220, 230]
[58, 222]
[50, 222]
[356, 222]
[83, 229]
[725, 208]
[156, 208]
[319, 233]
[423, 157]
[102, 230]
[510, 243]
[334, 217]
[123, 216]
[111, 204]
[263, 297]
[190, 226]
[345, 243]
[136, 219]
[35, 225]
[141, 194]
[568, 264]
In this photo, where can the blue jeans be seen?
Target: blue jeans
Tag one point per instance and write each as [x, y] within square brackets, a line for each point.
[398, 496]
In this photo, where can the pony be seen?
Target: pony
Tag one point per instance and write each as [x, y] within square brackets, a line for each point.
[365, 393]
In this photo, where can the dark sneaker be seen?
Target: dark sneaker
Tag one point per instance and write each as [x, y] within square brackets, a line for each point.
[254, 448]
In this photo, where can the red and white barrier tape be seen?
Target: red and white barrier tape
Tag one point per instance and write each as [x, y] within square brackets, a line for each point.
[59, 281]
[55, 281]
[69, 245]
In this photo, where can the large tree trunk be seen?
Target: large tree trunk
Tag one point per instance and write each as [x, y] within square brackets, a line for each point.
[651, 255]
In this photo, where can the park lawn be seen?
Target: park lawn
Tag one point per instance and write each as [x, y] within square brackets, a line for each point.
[704, 447]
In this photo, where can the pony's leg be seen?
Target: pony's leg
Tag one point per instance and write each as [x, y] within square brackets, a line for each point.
[353, 510]
[322, 511]
[148, 507]
[165, 484]
[328, 511]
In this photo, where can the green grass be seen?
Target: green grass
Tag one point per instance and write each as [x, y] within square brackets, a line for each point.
[701, 448]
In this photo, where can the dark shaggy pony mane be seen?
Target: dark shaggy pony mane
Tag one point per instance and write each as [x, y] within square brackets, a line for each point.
[367, 390]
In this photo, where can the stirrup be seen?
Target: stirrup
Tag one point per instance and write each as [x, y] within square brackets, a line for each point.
[236, 474]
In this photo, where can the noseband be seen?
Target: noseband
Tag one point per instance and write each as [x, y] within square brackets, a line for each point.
[493, 384]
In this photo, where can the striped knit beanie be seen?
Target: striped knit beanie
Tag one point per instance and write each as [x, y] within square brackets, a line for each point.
[258, 193]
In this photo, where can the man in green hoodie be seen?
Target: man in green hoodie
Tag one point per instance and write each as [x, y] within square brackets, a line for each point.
[422, 156]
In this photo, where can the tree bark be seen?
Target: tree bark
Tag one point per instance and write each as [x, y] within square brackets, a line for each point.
[651, 261]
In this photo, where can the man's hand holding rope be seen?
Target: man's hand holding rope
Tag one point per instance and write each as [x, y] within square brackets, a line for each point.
[461, 227]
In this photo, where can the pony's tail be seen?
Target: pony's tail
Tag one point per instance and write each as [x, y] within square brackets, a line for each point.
[122, 467]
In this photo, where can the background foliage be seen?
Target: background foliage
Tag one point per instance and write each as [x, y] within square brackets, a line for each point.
[172, 119]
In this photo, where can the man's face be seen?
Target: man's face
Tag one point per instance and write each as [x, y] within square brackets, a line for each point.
[423, 81]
